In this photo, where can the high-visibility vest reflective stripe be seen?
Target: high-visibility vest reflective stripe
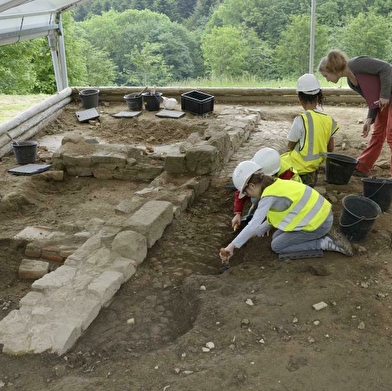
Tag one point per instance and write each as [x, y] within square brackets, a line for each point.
[319, 128]
[308, 209]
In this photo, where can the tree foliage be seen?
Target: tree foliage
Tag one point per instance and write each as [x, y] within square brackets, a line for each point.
[293, 50]
[372, 42]
[225, 50]
[267, 18]
[17, 71]
[147, 65]
[117, 42]
[120, 33]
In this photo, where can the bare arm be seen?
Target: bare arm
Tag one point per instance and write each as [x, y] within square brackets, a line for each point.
[331, 145]
[291, 145]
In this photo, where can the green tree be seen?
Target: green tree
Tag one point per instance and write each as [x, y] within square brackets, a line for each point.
[186, 7]
[267, 18]
[225, 51]
[17, 73]
[45, 81]
[371, 29]
[202, 14]
[147, 65]
[118, 33]
[260, 58]
[293, 50]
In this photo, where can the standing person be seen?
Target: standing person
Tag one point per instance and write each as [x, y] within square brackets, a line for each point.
[302, 216]
[372, 79]
[268, 159]
[311, 134]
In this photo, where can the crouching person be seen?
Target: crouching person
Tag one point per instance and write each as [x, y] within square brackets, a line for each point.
[270, 162]
[302, 217]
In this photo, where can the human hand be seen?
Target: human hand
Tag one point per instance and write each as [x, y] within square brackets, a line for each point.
[382, 103]
[366, 127]
[236, 222]
[226, 253]
[266, 234]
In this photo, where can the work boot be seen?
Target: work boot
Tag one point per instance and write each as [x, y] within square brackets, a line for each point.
[336, 241]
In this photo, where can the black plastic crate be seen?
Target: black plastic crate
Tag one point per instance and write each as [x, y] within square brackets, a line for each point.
[197, 102]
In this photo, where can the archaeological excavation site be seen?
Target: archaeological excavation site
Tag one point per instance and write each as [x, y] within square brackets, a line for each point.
[109, 251]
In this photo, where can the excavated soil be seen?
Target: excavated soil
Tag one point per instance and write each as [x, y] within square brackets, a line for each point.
[151, 337]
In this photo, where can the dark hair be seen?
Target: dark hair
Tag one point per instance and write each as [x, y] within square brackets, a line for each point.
[334, 62]
[319, 97]
[264, 180]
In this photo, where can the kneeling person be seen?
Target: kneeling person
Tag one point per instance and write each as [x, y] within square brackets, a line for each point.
[302, 217]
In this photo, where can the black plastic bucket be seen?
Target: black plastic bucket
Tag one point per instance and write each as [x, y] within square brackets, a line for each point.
[358, 216]
[339, 168]
[152, 102]
[134, 101]
[378, 190]
[25, 151]
[90, 98]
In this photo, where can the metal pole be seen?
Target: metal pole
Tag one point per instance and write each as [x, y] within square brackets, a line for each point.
[312, 34]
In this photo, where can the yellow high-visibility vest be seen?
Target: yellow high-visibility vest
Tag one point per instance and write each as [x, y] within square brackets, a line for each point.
[319, 128]
[284, 166]
[308, 209]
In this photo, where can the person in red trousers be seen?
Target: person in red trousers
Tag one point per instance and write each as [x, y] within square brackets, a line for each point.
[372, 79]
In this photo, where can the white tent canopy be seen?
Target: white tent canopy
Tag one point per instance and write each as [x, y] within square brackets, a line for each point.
[29, 19]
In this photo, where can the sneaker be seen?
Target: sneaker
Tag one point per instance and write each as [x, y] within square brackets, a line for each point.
[335, 241]
[360, 174]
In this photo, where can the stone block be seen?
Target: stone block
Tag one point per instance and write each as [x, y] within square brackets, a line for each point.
[32, 269]
[106, 285]
[63, 337]
[52, 256]
[152, 219]
[131, 244]
[99, 258]
[128, 206]
[34, 233]
[77, 161]
[14, 322]
[31, 299]
[140, 171]
[102, 173]
[33, 250]
[124, 266]
[60, 277]
[81, 310]
[221, 141]
[109, 158]
[79, 171]
[202, 160]
[175, 164]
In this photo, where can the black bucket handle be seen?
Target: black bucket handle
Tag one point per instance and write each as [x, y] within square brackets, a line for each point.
[350, 225]
[383, 183]
[360, 218]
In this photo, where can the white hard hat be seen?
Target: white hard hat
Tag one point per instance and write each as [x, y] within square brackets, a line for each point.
[242, 174]
[308, 84]
[268, 159]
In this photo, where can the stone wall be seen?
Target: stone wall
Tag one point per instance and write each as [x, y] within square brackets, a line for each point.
[64, 302]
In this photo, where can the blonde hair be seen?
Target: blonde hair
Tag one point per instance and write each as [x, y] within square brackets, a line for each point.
[334, 62]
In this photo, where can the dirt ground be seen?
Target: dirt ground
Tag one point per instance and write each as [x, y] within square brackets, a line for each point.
[257, 318]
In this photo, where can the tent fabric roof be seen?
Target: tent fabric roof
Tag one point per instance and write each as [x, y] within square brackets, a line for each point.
[28, 19]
